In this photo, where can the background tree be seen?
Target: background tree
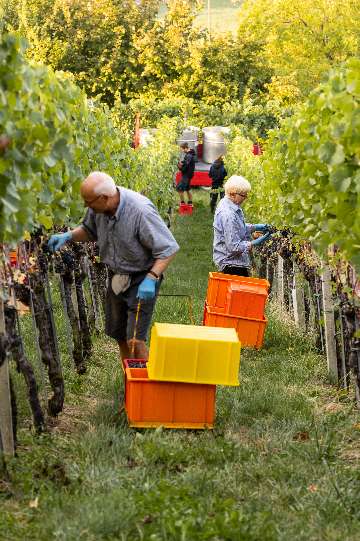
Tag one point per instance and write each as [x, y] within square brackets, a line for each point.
[94, 40]
[126, 51]
[123, 48]
[225, 69]
[301, 39]
[166, 51]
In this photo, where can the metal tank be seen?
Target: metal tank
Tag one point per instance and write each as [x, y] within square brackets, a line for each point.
[146, 136]
[214, 143]
[189, 136]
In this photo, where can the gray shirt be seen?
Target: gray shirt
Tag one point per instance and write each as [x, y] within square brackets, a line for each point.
[231, 236]
[134, 237]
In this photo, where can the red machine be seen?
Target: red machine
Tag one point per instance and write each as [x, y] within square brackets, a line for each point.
[201, 174]
[257, 150]
[200, 178]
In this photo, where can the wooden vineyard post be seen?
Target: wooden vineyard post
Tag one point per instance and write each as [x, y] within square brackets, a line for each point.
[93, 295]
[52, 319]
[69, 340]
[280, 280]
[344, 371]
[298, 298]
[329, 323]
[357, 360]
[6, 426]
[319, 312]
[311, 323]
[270, 275]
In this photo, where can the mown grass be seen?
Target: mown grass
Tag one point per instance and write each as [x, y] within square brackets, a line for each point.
[281, 464]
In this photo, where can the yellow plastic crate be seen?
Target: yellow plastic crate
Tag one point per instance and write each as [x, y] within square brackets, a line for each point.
[194, 354]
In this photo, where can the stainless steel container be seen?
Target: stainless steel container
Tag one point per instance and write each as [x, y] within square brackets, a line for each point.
[146, 136]
[189, 136]
[213, 143]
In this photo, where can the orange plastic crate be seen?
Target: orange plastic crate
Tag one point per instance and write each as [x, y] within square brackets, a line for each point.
[250, 331]
[13, 258]
[150, 403]
[246, 300]
[216, 296]
[185, 209]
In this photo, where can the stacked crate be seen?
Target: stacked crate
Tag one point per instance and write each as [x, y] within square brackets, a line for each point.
[176, 388]
[186, 209]
[238, 302]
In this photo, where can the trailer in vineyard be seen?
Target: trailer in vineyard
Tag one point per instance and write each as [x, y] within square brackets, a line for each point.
[201, 174]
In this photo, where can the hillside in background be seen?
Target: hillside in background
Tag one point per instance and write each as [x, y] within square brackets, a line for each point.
[223, 15]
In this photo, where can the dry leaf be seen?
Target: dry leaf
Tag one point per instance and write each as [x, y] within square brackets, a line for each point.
[34, 503]
[334, 407]
[301, 436]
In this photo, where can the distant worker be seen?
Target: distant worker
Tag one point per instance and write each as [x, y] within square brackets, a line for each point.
[136, 246]
[187, 168]
[232, 236]
[217, 174]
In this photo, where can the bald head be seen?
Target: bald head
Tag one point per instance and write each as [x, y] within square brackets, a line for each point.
[97, 183]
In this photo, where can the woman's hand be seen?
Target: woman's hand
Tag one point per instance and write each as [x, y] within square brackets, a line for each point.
[260, 240]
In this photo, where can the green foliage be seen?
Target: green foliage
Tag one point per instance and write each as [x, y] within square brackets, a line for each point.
[112, 48]
[56, 139]
[179, 62]
[224, 70]
[40, 111]
[94, 40]
[152, 112]
[240, 160]
[301, 40]
[151, 168]
[255, 118]
[309, 176]
[165, 51]
[315, 160]
[123, 50]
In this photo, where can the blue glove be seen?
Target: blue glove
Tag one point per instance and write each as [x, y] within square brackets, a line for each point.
[56, 241]
[260, 227]
[147, 289]
[260, 240]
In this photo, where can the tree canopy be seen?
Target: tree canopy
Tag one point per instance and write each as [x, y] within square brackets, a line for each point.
[301, 39]
[124, 49]
[127, 52]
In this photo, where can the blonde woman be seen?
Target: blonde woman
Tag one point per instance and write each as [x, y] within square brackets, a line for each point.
[232, 235]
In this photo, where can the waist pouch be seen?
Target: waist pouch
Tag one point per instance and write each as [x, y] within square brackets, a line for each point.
[120, 282]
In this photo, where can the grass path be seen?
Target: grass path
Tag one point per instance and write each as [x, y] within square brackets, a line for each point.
[281, 464]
